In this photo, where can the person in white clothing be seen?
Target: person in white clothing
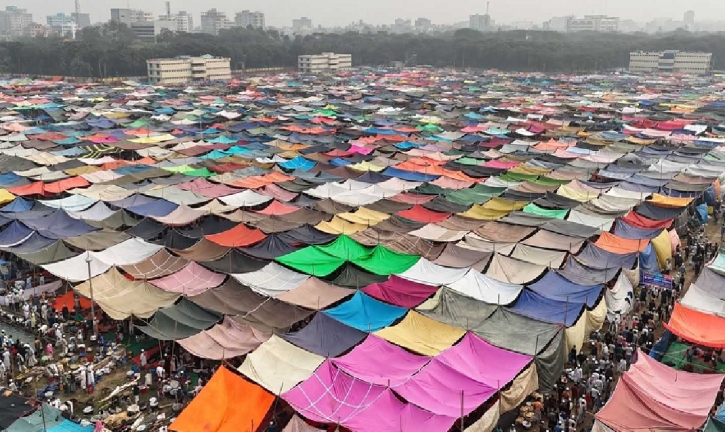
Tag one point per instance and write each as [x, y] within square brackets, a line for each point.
[160, 371]
[142, 359]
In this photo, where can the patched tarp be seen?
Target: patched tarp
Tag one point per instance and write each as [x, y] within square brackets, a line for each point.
[512, 270]
[225, 340]
[365, 313]
[453, 308]
[400, 292]
[121, 298]
[421, 334]
[248, 307]
[278, 365]
[325, 336]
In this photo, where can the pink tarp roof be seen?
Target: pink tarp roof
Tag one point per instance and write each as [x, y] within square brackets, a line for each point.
[653, 396]
[208, 189]
[377, 361]
[332, 396]
[191, 280]
[400, 292]
[182, 215]
[472, 368]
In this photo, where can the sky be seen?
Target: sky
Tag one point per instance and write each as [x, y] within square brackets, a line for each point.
[280, 13]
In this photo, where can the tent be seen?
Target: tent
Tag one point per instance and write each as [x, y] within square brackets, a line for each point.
[697, 327]
[365, 313]
[238, 405]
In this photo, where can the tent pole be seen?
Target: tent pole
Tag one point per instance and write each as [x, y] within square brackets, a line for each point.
[462, 410]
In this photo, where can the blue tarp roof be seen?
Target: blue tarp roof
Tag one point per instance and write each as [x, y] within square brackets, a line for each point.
[625, 230]
[15, 233]
[537, 306]
[17, 205]
[556, 287]
[409, 175]
[595, 257]
[325, 336]
[157, 208]
[59, 225]
[365, 313]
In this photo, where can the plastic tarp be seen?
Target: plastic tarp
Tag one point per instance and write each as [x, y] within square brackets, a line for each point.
[637, 220]
[555, 287]
[486, 289]
[426, 272]
[225, 340]
[512, 270]
[619, 245]
[278, 365]
[379, 362]
[239, 236]
[697, 327]
[365, 313]
[271, 280]
[44, 418]
[121, 298]
[545, 309]
[236, 402]
[333, 396]
[325, 336]
[653, 396]
[452, 308]
[400, 292]
[180, 321]
[421, 334]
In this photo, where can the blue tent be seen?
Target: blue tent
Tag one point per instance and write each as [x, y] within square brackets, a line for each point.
[325, 336]
[648, 260]
[539, 307]
[556, 287]
[17, 205]
[14, 234]
[157, 208]
[595, 257]
[59, 225]
[702, 212]
[625, 230]
[365, 313]
[409, 175]
[298, 163]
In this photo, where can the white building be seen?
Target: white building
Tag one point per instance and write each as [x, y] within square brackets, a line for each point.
[696, 63]
[302, 25]
[149, 31]
[480, 22]
[181, 70]
[595, 23]
[247, 18]
[184, 22]
[324, 62]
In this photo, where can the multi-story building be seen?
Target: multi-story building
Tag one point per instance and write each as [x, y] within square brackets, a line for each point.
[58, 20]
[595, 23]
[62, 25]
[324, 62]
[149, 31]
[82, 20]
[184, 22]
[247, 18]
[696, 63]
[480, 22]
[301, 25]
[212, 21]
[128, 16]
[422, 24]
[14, 22]
[182, 70]
[35, 30]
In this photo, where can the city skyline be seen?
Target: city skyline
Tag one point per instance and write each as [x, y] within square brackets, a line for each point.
[280, 13]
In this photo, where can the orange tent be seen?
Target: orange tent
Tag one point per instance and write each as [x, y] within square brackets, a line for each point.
[619, 245]
[228, 403]
[698, 327]
[239, 236]
[68, 301]
[669, 202]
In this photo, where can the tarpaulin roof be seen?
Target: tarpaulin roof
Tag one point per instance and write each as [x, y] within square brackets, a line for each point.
[278, 365]
[512, 270]
[653, 396]
[239, 236]
[400, 292]
[697, 327]
[486, 289]
[619, 245]
[365, 313]
[453, 308]
[556, 287]
[421, 334]
[225, 340]
[236, 402]
[160, 264]
[545, 309]
[325, 336]
[12, 407]
[121, 298]
[428, 273]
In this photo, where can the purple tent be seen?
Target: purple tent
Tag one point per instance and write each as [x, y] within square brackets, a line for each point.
[400, 292]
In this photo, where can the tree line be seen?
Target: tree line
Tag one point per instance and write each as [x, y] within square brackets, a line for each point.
[113, 50]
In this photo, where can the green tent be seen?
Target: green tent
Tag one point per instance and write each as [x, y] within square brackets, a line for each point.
[540, 211]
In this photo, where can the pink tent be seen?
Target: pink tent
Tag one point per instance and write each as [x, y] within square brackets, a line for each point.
[192, 280]
[653, 396]
[400, 292]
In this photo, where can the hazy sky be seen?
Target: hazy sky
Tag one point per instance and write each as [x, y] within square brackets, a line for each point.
[341, 12]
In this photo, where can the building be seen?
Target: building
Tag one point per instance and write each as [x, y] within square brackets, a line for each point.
[149, 31]
[689, 18]
[128, 16]
[302, 25]
[247, 18]
[213, 21]
[37, 30]
[184, 22]
[82, 20]
[324, 62]
[696, 63]
[422, 24]
[14, 22]
[557, 24]
[480, 22]
[62, 25]
[182, 70]
[594, 23]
